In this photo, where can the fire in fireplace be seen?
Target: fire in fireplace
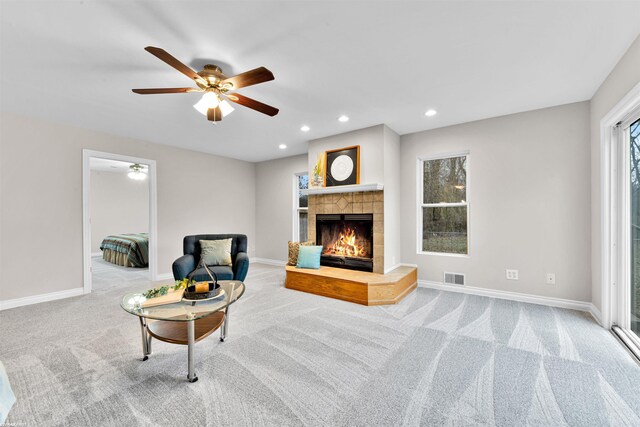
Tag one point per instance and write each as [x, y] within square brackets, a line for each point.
[347, 240]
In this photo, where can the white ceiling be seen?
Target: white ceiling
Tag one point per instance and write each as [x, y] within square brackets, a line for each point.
[378, 62]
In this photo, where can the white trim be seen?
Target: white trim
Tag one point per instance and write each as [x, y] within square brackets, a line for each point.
[513, 296]
[36, 299]
[164, 276]
[595, 313]
[419, 201]
[345, 189]
[267, 261]
[387, 270]
[404, 264]
[86, 211]
[96, 254]
[609, 230]
[447, 254]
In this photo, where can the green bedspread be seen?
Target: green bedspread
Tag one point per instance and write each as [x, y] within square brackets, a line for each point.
[134, 245]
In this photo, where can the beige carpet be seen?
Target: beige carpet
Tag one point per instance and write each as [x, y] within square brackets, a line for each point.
[437, 358]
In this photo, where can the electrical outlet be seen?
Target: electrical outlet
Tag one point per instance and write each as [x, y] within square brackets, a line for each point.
[551, 278]
[512, 274]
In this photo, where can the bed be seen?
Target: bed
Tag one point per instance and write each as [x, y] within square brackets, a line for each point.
[128, 250]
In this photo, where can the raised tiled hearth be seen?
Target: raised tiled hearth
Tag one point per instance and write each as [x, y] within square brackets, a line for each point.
[353, 203]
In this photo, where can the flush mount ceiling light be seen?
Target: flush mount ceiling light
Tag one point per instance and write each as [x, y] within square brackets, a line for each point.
[137, 172]
[343, 118]
[216, 87]
[282, 146]
[305, 128]
[431, 113]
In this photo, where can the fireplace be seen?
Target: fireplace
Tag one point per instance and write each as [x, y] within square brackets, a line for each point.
[346, 239]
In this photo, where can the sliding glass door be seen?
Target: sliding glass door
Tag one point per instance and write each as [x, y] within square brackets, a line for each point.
[631, 296]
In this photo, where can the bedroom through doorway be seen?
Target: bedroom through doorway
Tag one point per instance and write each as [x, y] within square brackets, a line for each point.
[119, 213]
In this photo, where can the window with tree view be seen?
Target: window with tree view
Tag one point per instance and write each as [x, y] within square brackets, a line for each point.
[301, 205]
[444, 205]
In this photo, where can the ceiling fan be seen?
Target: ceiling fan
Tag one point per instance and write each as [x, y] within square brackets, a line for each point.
[215, 86]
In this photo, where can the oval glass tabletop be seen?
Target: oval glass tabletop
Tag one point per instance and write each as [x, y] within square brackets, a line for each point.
[184, 311]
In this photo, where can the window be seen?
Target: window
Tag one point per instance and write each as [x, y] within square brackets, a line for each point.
[301, 207]
[443, 205]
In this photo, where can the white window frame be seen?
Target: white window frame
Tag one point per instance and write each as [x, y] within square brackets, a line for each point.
[297, 209]
[419, 201]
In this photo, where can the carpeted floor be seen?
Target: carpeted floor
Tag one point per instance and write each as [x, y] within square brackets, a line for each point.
[106, 275]
[437, 358]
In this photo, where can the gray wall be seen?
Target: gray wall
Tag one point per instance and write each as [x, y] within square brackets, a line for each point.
[529, 201]
[620, 81]
[274, 205]
[41, 199]
[392, 192]
[118, 205]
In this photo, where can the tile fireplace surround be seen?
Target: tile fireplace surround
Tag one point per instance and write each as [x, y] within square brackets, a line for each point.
[346, 203]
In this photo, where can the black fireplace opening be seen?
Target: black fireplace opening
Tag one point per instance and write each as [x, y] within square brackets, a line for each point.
[346, 239]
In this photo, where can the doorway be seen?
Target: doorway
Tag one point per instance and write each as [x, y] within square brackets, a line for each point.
[119, 220]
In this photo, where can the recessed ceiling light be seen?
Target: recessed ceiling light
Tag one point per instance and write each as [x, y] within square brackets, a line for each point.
[430, 113]
[305, 128]
[343, 118]
[282, 146]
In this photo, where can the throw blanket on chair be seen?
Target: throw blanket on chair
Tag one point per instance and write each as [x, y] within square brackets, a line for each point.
[129, 250]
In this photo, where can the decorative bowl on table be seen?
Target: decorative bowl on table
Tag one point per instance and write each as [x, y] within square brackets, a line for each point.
[201, 291]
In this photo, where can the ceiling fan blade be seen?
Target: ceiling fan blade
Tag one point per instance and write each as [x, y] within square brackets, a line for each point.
[163, 55]
[250, 78]
[166, 90]
[253, 104]
[214, 114]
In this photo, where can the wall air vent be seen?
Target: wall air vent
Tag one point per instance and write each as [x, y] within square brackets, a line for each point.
[453, 279]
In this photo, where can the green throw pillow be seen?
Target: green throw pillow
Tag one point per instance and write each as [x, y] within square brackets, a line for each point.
[216, 252]
[309, 257]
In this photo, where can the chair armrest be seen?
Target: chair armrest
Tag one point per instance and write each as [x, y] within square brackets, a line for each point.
[183, 266]
[241, 266]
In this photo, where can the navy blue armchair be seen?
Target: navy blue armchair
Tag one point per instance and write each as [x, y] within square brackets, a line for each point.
[186, 264]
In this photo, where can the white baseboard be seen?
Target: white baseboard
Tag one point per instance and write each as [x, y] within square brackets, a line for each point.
[595, 313]
[165, 276]
[515, 296]
[36, 299]
[267, 261]
[387, 270]
[96, 254]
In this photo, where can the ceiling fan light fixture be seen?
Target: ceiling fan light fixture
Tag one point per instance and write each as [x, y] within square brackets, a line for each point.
[208, 100]
[214, 104]
[225, 108]
[137, 172]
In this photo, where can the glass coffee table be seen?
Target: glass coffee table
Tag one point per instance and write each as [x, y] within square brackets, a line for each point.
[184, 322]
